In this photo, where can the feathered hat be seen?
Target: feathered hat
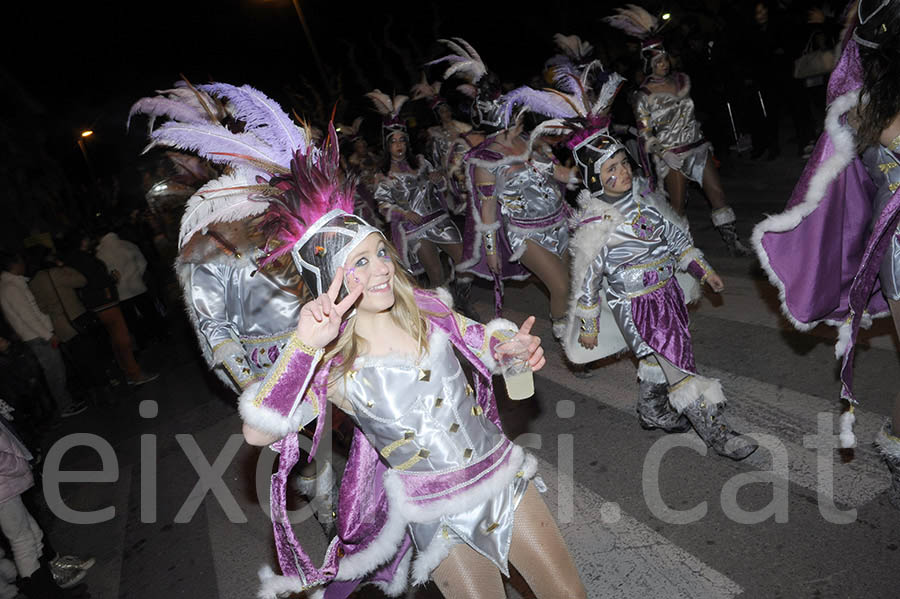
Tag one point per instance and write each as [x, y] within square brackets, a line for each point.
[273, 171]
[350, 132]
[574, 110]
[482, 85]
[389, 109]
[428, 91]
[637, 22]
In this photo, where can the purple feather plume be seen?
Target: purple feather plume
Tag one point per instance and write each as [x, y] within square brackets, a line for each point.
[212, 141]
[162, 106]
[541, 102]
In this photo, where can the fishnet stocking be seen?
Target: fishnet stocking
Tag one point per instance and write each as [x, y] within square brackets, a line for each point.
[466, 574]
[539, 552]
[553, 271]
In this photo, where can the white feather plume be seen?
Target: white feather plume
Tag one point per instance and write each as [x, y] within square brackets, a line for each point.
[465, 60]
[573, 46]
[423, 89]
[229, 198]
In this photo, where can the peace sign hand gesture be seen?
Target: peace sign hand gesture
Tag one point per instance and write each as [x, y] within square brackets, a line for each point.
[320, 319]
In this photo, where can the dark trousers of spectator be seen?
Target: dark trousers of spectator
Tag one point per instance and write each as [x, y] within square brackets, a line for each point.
[120, 340]
[82, 353]
[51, 361]
[144, 320]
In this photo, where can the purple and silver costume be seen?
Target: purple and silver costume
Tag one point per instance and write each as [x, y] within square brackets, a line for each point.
[414, 191]
[631, 245]
[666, 122]
[429, 466]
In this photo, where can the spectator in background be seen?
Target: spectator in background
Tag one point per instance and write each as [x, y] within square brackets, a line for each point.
[101, 296]
[55, 289]
[127, 264]
[35, 329]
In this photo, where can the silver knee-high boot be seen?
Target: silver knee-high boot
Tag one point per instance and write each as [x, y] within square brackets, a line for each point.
[702, 401]
[724, 221]
[653, 408]
[321, 492]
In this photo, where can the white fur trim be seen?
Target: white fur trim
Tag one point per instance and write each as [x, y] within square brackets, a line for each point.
[445, 296]
[267, 420]
[400, 582]
[490, 329]
[722, 216]
[692, 390]
[650, 372]
[845, 426]
[691, 255]
[272, 585]
[844, 151]
[229, 348]
[431, 558]
[483, 227]
[843, 340]
[887, 443]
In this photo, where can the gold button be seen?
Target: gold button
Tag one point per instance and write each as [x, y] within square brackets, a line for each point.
[454, 427]
[520, 474]
[477, 411]
[467, 453]
[424, 375]
[492, 528]
[438, 401]
[409, 435]
[424, 453]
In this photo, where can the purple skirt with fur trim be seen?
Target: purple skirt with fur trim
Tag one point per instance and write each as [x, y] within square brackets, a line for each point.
[661, 319]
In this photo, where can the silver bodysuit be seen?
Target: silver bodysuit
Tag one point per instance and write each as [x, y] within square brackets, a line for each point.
[531, 205]
[884, 169]
[641, 255]
[670, 119]
[423, 417]
[414, 191]
[245, 318]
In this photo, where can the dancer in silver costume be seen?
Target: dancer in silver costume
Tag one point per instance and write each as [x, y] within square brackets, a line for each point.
[517, 192]
[622, 238]
[669, 132]
[243, 314]
[411, 200]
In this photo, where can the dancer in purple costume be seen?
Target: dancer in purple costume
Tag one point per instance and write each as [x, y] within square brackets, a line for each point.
[432, 487]
[834, 254]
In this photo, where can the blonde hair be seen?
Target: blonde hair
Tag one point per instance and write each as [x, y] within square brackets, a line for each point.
[405, 313]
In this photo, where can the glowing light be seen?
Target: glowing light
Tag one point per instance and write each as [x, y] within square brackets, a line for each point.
[87, 133]
[666, 16]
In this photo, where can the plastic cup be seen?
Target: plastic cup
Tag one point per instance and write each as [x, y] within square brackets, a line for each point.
[517, 373]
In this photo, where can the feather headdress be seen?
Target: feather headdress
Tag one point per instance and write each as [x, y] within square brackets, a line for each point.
[389, 109]
[184, 103]
[573, 47]
[482, 85]
[464, 60]
[428, 91]
[350, 132]
[637, 22]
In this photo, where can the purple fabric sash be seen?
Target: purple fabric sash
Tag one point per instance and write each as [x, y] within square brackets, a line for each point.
[363, 504]
[540, 223]
[662, 322]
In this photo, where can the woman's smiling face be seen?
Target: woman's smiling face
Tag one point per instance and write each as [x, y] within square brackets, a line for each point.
[372, 266]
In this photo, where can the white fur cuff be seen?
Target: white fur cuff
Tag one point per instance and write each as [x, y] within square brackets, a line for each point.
[723, 216]
[503, 330]
[651, 373]
[445, 296]
[484, 227]
[266, 419]
[887, 443]
[226, 349]
[688, 257]
[690, 391]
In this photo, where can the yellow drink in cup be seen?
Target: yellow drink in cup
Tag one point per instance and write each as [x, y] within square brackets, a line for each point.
[516, 372]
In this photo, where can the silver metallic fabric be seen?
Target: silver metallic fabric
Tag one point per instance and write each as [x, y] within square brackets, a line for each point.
[670, 119]
[422, 416]
[249, 316]
[414, 191]
[884, 168]
[641, 255]
[531, 205]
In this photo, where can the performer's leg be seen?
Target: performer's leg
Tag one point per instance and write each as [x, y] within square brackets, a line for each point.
[712, 185]
[539, 552]
[454, 250]
[431, 262]
[653, 408]
[466, 574]
[676, 187]
[888, 439]
[722, 214]
[553, 271]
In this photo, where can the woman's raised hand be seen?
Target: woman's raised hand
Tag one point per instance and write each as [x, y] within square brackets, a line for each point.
[320, 319]
[525, 345]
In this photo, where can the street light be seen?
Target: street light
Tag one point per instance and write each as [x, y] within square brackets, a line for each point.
[87, 133]
[666, 16]
[84, 135]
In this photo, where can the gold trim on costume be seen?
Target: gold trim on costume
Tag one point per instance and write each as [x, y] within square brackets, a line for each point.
[276, 372]
[389, 449]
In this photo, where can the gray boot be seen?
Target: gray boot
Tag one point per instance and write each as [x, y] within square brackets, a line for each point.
[709, 421]
[460, 290]
[724, 220]
[889, 446]
[655, 412]
[321, 492]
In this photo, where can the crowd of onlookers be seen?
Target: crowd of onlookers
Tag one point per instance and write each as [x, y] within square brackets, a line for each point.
[76, 310]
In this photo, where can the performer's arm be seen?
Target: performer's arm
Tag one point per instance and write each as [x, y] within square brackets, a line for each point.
[587, 307]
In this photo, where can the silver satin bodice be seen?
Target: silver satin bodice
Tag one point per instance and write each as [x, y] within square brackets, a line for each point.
[256, 311]
[670, 119]
[884, 168]
[423, 417]
[640, 256]
[529, 195]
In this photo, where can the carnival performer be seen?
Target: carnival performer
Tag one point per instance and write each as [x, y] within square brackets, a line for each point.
[834, 253]
[410, 197]
[670, 135]
[622, 239]
[432, 488]
[362, 164]
[242, 312]
[517, 207]
[448, 142]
